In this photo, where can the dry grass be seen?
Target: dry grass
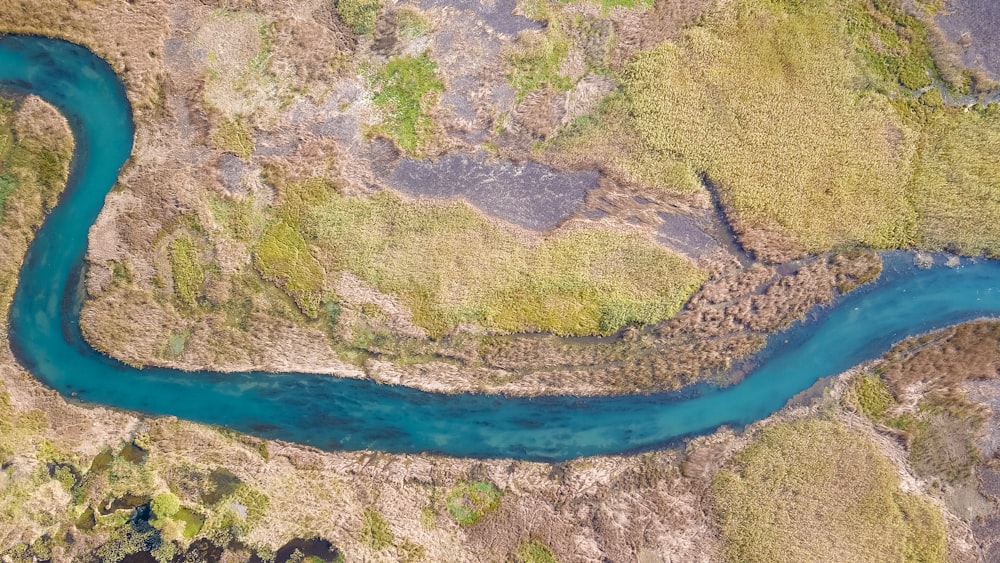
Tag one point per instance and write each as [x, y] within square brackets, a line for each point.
[763, 100]
[945, 359]
[450, 265]
[807, 117]
[814, 490]
[239, 81]
[956, 187]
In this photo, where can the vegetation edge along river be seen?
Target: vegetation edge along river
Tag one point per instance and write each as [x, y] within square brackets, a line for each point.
[334, 413]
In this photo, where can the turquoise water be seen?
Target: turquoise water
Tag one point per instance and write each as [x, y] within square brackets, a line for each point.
[333, 413]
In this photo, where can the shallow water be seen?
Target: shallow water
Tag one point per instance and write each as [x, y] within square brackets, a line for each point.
[334, 413]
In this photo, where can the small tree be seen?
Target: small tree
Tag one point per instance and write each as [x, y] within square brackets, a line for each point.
[164, 506]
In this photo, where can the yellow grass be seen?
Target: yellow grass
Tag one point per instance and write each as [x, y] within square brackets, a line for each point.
[814, 490]
[452, 266]
[763, 100]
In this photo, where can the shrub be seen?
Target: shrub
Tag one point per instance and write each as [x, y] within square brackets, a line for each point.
[165, 505]
[535, 551]
[186, 269]
[469, 502]
[359, 15]
[375, 532]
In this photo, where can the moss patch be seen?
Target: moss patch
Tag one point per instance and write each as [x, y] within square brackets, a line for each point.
[406, 88]
[282, 257]
[186, 269]
[536, 60]
[814, 490]
[534, 551]
[375, 532]
[359, 15]
[233, 136]
[470, 502]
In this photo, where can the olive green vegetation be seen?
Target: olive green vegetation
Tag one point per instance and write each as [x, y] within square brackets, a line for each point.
[359, 15]
[468, 503]
[233, 136]
[536, 60]
[872, 396]
[810, 118]
[412, 23]
[763, 102]
[26, 162]
[535, 551]
[958, 182]
[282, 257]
[450, 265]
[406, 89]
[813, 490]
[165, 505]
[375, 532]
[16, 428]
[186, 270]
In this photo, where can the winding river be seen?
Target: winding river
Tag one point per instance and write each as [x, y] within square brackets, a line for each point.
[334, 413]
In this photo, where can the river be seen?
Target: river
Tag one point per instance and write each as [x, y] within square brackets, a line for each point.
[334, 413]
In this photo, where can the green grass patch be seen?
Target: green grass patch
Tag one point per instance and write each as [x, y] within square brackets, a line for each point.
[405, 90]
[233, 136]
[240, 218]
[192, 521]
[534, 551]
[282, 257]
[813, 490]
[450, 266]
[186, 269]
[470, 502]
[359, 15]
[535, 62]
[893, 43]
[872, 396]
[375, 532]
